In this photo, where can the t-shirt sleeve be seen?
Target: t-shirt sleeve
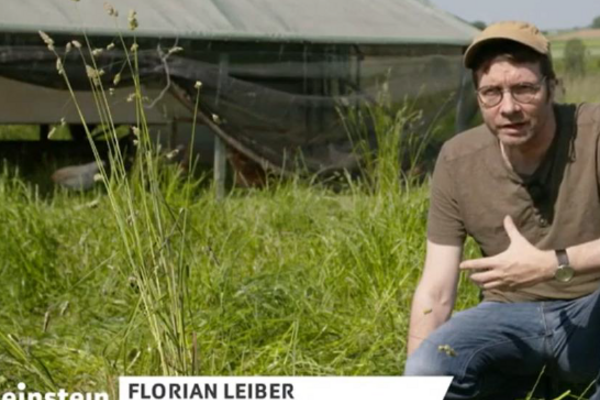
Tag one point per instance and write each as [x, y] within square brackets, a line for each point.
[444, 224]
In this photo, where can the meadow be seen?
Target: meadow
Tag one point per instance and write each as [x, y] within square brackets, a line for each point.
[291, 280]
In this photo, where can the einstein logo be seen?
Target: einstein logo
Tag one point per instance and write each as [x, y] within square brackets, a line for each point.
[62, 394]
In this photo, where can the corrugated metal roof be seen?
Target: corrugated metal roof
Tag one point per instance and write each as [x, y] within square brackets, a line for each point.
[321, 21]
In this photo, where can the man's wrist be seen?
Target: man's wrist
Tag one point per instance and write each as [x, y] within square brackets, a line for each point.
[550, 264]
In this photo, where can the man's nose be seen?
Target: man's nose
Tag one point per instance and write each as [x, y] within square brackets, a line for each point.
[508, 105]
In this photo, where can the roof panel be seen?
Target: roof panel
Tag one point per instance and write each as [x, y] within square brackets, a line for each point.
[330, 21]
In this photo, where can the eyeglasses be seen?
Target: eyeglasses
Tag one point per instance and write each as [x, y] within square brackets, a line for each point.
[524, 93]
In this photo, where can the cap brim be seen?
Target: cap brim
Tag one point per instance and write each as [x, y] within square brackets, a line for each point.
[471, 52]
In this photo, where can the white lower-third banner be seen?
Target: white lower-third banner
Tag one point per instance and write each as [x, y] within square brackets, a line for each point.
[283, 388]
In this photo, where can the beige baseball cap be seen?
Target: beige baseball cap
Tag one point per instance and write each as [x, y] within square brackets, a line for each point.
[521, 32]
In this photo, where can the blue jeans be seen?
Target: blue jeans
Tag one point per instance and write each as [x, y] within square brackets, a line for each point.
[497, 350]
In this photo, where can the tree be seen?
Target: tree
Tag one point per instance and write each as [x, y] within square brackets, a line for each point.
[596, 23]
[575, 54]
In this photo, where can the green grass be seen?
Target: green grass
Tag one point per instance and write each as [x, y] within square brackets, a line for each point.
[293, 280]
[19, 132]
[580, 88]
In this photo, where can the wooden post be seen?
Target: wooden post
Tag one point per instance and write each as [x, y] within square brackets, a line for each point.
[220, 167]
[220, 158]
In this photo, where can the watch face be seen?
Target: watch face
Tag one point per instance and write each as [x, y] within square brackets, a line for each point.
[564, 273]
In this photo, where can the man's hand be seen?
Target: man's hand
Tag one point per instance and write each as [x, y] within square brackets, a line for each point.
[521, 265]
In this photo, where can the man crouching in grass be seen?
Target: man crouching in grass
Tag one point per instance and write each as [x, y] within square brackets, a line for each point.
[526, 187]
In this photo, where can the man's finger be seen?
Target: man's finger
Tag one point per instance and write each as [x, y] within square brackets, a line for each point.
[484, 278]
[497, 284]
[480, 263]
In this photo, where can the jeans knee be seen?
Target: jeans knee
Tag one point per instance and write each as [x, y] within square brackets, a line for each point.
[427, 361]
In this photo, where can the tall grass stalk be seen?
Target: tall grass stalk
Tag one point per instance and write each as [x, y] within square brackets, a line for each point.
[153, 234]
[385, 143]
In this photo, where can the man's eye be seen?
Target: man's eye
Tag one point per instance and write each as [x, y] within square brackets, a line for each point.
[490, 92]
[524, 88]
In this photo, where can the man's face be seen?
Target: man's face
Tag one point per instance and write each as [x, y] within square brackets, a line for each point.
[515, 123]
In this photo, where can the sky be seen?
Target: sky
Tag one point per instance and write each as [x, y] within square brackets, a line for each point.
[546, 14]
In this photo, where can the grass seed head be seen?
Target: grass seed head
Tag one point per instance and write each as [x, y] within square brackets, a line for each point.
[198, 85]
[68, 48]
[131, 97]
[59, 66]
[110, 10]
[98, 178]
[110, 46]
[133, 22]
[172, 154]
[76, 44]
[117, 79]
[445, 348]
[136, 131]
[175, 49]
[134, 47]
[97, 52]
[94, 74]
[47, 39]
[52, 132]
[91, 72]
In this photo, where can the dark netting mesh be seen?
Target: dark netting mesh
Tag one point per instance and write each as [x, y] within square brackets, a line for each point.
[276, 105]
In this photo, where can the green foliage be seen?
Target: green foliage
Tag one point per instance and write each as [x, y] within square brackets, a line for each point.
[577, 88]
[294, 280]
[19, 132]
[575, 58]
[383, 143]
[596, 23]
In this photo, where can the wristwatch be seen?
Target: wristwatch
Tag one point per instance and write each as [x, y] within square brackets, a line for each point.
[564, 272]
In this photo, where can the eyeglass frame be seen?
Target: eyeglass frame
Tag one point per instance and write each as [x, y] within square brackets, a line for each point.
[535, 86]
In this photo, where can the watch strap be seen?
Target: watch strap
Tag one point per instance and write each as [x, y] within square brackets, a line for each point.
[562, 257]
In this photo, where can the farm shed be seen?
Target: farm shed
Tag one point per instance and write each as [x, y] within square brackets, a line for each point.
[275, 72]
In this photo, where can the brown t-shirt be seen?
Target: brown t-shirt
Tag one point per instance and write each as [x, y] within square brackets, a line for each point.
[555, 208]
